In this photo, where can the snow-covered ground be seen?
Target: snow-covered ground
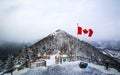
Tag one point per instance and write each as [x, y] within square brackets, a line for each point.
[68, 68]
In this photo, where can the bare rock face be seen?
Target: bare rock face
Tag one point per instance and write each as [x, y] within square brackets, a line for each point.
[60, 40]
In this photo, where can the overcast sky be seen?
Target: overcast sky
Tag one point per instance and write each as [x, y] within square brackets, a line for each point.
[29, 20]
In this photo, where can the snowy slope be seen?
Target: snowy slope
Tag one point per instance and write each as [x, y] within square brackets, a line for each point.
[111, 44]
[68, 68]
[110, 48]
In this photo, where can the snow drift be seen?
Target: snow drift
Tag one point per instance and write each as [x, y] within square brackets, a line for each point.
[69, 68]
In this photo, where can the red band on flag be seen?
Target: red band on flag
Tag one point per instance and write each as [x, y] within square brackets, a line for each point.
[79, 30]
[90, 32]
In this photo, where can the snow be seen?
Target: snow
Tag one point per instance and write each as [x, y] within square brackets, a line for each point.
[104, 53]
[21, 72]
[102, 69]
[16, 66]
[111, 54]
[68, 68]
[64, 56]
[50, 61]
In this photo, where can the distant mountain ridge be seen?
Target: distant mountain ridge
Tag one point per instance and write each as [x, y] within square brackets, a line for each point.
[110, 44]
[109, 47]
[61, 40]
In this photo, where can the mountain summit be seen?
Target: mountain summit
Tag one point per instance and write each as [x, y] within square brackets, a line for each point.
[61, 40]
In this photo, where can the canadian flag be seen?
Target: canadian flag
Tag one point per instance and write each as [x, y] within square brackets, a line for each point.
[85, 31]
[79, 30]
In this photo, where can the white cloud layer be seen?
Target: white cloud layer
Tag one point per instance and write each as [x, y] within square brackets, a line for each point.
[28, 20]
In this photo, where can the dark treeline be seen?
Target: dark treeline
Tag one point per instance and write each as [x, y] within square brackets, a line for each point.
[10, 48]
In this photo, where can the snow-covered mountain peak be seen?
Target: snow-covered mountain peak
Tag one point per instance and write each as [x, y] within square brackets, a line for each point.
[65, 42]
[57, 32]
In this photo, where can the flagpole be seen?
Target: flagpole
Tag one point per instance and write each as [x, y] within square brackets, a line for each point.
[77, 42]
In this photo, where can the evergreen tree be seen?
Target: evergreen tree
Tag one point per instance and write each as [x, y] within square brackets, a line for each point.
[28, 56]
[10, 65]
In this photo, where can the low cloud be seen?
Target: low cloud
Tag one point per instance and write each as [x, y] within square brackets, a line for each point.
[28, 20]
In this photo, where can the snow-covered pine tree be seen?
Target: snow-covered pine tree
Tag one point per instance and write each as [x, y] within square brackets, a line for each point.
[25, 57]
[10, 65]
[28, 56]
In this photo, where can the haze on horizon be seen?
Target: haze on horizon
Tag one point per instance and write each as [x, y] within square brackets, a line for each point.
[29, 20]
